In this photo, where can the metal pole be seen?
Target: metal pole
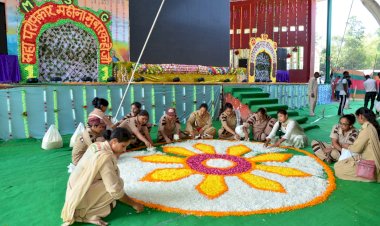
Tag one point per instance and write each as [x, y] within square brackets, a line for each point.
[328, 41]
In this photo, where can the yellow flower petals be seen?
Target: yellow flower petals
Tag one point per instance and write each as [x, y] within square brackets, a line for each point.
[212, 186]
[238, 150]
[178, 151]
[208, 149]
[261, 183]
[161, 159]
[166, 175]
[283, 171]
[271, 157]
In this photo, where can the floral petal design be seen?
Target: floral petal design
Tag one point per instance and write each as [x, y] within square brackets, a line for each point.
[212, 186]
[161, 159]
[261, 183]
[283, 171]
[238, 150]
[178, 151]
[168, 174]
[271, 157]
[207, 149]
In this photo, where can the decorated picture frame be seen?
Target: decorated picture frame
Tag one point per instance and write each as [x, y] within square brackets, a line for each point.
[262, 61]
[38, 17]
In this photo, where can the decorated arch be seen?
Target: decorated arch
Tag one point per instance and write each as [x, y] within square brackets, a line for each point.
[262, 62]
[45, 28]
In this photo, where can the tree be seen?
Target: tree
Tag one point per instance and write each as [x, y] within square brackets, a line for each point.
[349, 52]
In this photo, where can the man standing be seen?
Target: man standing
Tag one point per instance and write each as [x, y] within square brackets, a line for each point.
[343, 92]
[370, 91]
[313, 92]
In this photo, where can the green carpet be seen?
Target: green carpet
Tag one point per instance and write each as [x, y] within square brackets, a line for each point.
[33, 184]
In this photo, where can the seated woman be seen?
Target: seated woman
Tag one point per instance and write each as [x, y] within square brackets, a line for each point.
[229, 123]
[294, 134]
[137, 127]
[344, 133]
[367, 146]
[92, 133]
[261, 123]
[135, 110]
[169, 126]
[95, 184]
[199, 124]
[101, 106]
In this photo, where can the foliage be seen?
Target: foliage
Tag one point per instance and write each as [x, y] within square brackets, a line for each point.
[356, 51]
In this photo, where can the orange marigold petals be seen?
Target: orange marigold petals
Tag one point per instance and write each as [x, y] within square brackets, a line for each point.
[165, 175]
[212, 186]
[261, 183]
[208, 149]
[271, 157]
[161, 159]
[283, 171]
[238, 150]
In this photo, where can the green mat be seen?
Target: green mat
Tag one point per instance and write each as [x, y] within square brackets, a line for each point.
[33, 184]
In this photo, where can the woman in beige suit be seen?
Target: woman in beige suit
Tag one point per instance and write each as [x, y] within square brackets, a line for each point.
[100, 106]
[229, 123]
[367, 146]
[199, 124]
[95, 184]
[92, 133]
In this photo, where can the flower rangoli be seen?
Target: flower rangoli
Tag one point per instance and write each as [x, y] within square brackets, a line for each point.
[220, 178]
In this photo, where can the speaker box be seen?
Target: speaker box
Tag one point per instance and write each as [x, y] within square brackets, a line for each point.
[3, 33]
[281, 59]
[243, 63]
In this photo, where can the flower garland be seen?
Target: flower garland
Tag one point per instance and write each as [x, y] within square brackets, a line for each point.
[208, 177]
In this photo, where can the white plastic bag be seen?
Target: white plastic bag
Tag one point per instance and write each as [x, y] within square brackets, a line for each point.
[78, 132]
[377, 106]
[239, 131]
[52, 139]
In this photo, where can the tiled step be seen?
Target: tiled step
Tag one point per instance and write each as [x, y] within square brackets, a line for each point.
[273, 114]
[259, 101]
[309, 127]
[245, 89]
[300, 119]
[269, 107]
[244, 94]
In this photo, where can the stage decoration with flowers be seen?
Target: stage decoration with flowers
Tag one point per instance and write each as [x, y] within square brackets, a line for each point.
[41, 17]
[262, 61]
[165, 72]
[223, 178]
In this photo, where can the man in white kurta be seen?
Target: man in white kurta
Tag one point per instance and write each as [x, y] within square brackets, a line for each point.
[313, 92]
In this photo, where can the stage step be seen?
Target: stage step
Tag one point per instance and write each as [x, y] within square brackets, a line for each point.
[259, 101]
[300, 119]
[269, 107]
[242, 95]
[309, 127]
[291, 113]
[246, 89]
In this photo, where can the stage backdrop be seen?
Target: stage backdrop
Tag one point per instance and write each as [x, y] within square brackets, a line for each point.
[187, 32]
[119, 28]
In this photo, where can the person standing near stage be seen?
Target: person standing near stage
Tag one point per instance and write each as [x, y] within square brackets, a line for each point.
[370, 91]
[313, 92]
[343, 84]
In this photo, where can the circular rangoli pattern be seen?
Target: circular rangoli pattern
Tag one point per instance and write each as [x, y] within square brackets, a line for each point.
[221, 178]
